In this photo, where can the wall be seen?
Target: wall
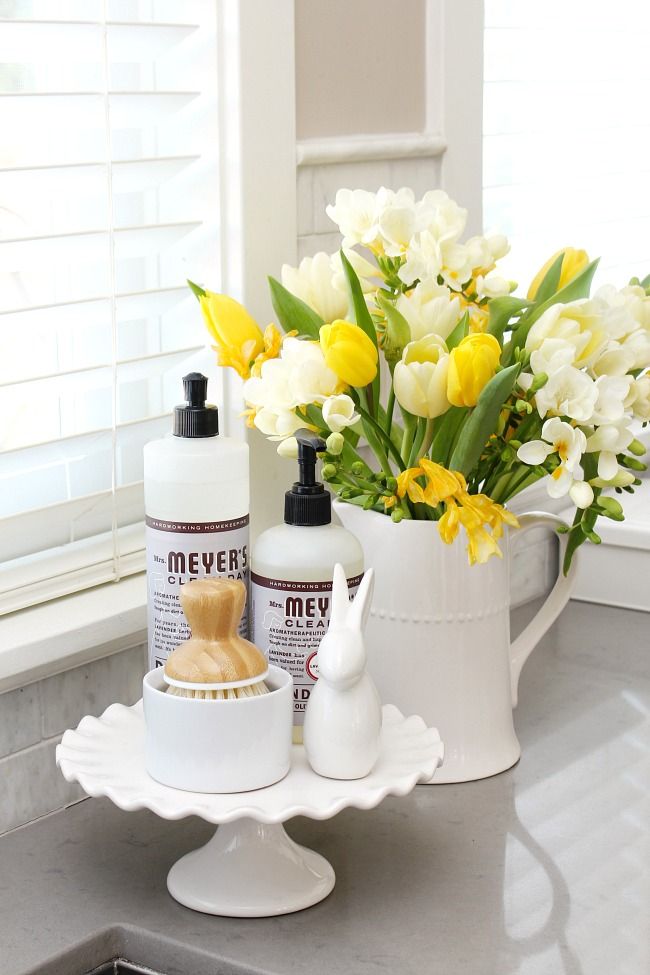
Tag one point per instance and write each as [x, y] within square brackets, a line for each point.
[388, 95]
[354, 72]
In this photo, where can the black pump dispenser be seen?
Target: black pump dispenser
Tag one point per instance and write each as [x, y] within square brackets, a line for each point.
[196, 418]
[308, 504]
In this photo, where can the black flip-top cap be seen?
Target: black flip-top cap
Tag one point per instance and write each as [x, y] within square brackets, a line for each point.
[308, 503]
[195, 417]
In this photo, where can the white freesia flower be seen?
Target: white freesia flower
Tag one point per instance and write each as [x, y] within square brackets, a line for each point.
[314, 283]
[624, 310]
[613, 392]
[577, 323]
[457, 265]
[552, 354]
[420, 378]
[568, 392]
[430, 308]
[423, 258]
[609, 440]
[310, 379]
[498, 246]
[397, 221]
[558, 437]
[492, 286]
[363, 269]
[639, 398]
[614, 360]
[441, 216]
[338, 412]
[355, 214]
[569, 443]
[288, 448]
[298, 376]
[277, 424]
[637, 344]
[384, 221]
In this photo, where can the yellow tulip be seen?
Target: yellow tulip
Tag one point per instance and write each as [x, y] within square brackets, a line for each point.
[349, 352]
[472, 364]
[572, 264]
[239, 339]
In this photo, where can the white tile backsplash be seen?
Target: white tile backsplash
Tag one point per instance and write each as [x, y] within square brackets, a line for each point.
[20, 719]
[32, 719]
[90, 689]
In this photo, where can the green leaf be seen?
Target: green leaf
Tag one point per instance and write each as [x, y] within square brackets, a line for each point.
[445, 435]
[482, 421]
[551, 279]
[293, 313]
[196, 288]
[501, 310]
[459, 332]
[578, 288]
[362, 317]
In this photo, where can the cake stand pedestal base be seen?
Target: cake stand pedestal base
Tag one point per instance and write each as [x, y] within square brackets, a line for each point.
[250, 869]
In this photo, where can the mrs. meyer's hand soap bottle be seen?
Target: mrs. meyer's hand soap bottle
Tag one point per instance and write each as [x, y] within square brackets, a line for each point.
[196, 508]
[291, 577]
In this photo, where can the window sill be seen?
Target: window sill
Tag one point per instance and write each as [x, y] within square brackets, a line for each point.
[53, 637]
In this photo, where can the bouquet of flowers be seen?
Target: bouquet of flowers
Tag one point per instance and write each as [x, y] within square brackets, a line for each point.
[441, 394]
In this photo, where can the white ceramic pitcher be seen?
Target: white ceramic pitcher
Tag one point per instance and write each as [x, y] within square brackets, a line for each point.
[438, 637]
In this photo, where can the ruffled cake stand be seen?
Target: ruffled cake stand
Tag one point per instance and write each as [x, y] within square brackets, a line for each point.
[250, 867]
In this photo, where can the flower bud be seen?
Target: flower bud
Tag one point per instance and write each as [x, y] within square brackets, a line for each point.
[540, 380]
[396, 515]
[334, 443]
[288, 448]
[573, 263]
[636, 448]
[328, 472]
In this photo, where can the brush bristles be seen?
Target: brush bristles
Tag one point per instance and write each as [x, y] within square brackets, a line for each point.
[251, 690]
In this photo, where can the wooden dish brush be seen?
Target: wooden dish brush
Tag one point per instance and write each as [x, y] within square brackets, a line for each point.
[215, 663]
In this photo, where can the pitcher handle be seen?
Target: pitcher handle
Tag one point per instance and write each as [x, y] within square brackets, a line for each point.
[555, 602]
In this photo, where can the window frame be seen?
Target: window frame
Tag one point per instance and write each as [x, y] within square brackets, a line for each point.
[257, 168]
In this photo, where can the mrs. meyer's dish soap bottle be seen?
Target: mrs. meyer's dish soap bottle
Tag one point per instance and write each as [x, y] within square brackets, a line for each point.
[291, 577]
[196, 508]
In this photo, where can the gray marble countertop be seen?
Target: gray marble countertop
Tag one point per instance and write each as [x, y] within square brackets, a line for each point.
[543, 869]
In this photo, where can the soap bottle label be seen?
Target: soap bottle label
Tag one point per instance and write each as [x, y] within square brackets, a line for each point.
[177, 553]
[288, 621]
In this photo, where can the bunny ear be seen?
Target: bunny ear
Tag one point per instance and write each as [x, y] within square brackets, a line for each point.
[360, 609]
[340, 599]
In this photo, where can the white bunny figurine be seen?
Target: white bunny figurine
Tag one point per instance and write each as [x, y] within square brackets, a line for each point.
[343, 716]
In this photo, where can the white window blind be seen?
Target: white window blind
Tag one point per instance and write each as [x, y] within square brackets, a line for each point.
[109, 200]
[567, 133]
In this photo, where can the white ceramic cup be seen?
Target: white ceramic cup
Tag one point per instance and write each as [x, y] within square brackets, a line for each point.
[218, 746]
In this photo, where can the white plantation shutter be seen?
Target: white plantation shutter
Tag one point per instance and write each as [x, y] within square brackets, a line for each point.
[109, 200]
[567, 132]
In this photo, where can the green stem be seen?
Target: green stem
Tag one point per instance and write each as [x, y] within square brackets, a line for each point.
[384, 440]
[390, 406]
[414, 453]
[518, 484]
[410, 424]
[428, 437]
